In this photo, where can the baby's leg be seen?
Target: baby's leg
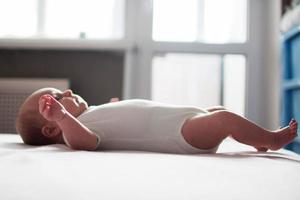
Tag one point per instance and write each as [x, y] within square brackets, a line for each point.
[215, 108]
[208, 131]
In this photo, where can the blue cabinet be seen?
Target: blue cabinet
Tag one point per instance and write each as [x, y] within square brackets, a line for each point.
[291, 81]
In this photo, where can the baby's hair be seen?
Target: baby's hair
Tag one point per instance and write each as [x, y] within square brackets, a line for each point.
[29, 125]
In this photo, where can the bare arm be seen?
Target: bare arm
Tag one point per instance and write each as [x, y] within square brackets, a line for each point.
[77, 136]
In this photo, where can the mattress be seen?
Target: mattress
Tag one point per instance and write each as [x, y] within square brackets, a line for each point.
[56, 172]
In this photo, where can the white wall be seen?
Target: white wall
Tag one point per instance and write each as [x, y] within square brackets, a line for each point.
[264, 60]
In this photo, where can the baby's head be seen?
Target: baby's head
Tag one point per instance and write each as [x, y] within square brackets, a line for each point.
[31, 125]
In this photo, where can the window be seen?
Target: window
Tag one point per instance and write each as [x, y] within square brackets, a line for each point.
[209, 21]
[64, 19]
[234, 83]
[182, 43]
[192, 62]
[18, 21]
[200, 80]
[91, 19]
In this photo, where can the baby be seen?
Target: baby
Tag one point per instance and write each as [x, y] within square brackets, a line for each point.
[50, 116]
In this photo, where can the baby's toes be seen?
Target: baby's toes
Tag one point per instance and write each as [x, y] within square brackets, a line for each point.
[295, 124]
[292, 123]
[294, 128]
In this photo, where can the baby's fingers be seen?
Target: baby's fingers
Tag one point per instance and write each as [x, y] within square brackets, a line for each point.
[44, 102]
[42, 105]
[47, 112]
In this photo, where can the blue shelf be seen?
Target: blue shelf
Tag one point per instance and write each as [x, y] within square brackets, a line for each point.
[291, 84]
[291, 81]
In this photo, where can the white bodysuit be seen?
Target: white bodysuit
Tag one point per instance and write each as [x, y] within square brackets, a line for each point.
[140, 125]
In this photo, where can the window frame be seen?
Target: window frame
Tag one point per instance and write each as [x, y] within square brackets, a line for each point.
[57, 43]
[139, 49]
[258, 108]
[140, 85]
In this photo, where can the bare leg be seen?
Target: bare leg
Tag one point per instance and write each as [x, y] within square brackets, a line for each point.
[208, 131]
[215, 108]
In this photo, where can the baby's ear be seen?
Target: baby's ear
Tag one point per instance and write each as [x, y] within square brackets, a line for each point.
[50, 130]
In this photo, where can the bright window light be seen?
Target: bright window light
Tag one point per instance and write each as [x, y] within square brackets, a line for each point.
[208, 21]
[84, 19]
[200, 80]
[187, 79]
[235, 83]
[175, 20]
[65, 19]
[224, 21]
[18, 18]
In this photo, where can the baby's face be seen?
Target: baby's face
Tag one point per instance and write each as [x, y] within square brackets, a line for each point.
[73, 103]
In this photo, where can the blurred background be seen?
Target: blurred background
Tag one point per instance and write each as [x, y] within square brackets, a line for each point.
[192, 52]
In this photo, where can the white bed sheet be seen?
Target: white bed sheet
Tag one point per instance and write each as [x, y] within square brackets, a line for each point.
[56, 172]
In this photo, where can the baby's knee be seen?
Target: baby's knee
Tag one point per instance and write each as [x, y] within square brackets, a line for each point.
[223, 117]
[222, 114]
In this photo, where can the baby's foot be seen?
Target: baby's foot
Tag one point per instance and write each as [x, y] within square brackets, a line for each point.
[262, 149]
[284, 136]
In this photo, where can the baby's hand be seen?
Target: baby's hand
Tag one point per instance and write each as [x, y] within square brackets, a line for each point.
[51, 109]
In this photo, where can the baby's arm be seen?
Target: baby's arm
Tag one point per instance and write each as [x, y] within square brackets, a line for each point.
[75, 133]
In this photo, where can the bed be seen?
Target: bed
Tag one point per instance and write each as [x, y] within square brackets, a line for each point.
[56, 172]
